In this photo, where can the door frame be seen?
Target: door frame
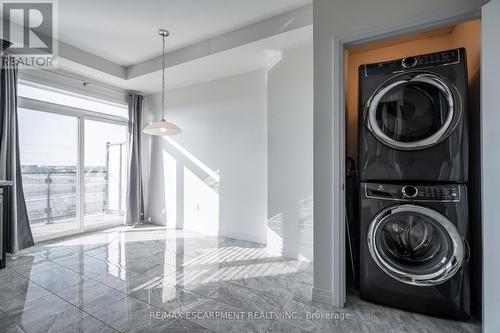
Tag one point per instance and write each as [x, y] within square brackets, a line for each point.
[341, 42]
[490, 165]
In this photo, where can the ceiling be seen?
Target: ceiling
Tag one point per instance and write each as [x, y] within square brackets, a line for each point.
[112, 45]
[260, 54]
[125, 31]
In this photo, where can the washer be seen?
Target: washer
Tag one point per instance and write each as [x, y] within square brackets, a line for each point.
[413, 119]
[414, 247]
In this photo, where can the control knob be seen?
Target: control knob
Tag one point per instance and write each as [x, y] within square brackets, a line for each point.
[409, 191]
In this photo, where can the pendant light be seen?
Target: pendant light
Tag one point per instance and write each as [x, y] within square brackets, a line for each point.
[162, 127]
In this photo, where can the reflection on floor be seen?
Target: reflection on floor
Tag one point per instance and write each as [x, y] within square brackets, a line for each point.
[43, 230]
[150, 279]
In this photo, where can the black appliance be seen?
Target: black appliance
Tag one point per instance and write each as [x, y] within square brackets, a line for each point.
[5, 187]
[3, 258]
[413, 119]
[414, 247]
[352, 225]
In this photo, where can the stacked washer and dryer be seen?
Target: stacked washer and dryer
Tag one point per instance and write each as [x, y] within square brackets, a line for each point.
[413, 169]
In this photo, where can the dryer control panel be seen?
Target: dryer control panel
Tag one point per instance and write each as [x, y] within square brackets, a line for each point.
[412, 192]
[414, 62]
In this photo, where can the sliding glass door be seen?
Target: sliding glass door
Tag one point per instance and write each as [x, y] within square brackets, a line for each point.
[73, 162]
[105, 172]
[49, 161]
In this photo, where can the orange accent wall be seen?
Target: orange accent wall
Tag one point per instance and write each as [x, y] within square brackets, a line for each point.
[467, 34]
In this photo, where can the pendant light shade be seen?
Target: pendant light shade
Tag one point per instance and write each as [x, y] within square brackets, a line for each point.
[162, 127]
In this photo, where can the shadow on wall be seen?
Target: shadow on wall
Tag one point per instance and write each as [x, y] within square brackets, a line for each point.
[187, 196]
[186, 190]
[290, 146]
[220, 184]
[306, 229]
[279, 239]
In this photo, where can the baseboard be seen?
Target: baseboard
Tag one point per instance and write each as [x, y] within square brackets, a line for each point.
[242, 236]
[322, 296]
[154, 223]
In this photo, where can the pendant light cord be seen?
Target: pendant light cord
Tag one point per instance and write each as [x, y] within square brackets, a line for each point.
[163, 81]
[162, 127]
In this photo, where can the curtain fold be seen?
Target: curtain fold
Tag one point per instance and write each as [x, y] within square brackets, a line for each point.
[134, 205]
[18, 228]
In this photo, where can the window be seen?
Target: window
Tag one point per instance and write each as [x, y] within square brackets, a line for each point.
[105, 172]
[49, 170]
[73, 162]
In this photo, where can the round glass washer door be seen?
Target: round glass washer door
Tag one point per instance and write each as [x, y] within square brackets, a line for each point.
[416, 245]
[413, 111]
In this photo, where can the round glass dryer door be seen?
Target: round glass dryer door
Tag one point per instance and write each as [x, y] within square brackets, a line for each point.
[416, 245]
[413, 111]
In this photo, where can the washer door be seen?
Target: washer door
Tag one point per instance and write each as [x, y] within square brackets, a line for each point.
[416, 245]
[413, 111]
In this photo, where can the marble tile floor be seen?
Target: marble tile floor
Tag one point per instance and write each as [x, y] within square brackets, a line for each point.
[152, 279]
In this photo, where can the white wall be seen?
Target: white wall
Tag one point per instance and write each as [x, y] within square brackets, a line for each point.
[335, 18]
[239, 132]
[213, 177]
[490, 114]
[290, 167]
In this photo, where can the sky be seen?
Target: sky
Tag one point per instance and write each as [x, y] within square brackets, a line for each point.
[52, 139]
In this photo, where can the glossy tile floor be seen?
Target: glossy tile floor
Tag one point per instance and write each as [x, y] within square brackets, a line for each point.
[150, 279]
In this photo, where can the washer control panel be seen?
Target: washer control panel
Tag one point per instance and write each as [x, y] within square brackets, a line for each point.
[413, 62]
[412, 192]
[451, 192]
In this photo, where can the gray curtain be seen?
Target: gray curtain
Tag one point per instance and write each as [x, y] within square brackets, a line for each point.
[16, 216]
[134, 206]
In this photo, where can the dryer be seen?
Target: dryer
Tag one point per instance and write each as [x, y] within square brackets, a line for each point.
[413, 119]
[414, 247]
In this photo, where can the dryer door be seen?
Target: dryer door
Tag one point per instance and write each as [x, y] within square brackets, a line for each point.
[416, 245]
[413, 111]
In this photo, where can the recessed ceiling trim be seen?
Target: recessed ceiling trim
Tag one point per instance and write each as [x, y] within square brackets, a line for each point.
[80, 56]
[85, 58]
[295, 19]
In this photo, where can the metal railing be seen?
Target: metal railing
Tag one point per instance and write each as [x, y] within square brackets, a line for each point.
[51, 192]
[52, 196]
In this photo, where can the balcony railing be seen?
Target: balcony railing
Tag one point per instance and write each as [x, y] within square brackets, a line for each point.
[52, 195]
[51, 192]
